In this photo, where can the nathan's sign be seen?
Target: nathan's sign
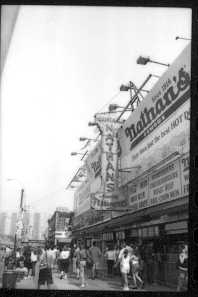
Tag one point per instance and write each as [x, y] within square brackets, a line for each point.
[170, 92]
[109, 143]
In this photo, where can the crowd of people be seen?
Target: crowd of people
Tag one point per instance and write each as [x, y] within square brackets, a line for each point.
[129, 262]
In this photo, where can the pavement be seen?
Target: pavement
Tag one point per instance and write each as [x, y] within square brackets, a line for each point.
[108, 284]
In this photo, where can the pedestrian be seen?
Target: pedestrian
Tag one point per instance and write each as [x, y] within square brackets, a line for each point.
[27, 261]
[110, 259]
[117, 262]
[22, 270]
[149, 263]
[74, 258]
[96, 257]
[182, 266]
[89, 264]
[64, 262]
[82, 259]
[135, 269]
[45, 268]
[76, 254]
[34, 258]
[125, 268]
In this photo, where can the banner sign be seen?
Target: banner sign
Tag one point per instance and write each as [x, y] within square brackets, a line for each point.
[101, 202]
[167, 183]
[93, 163]
[169, 93]
[109, 143]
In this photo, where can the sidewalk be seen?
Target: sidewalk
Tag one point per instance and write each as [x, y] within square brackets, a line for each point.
[72, 283]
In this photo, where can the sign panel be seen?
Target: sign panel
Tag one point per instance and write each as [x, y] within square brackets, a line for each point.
[164, 184]
[82, 198]
[138, 194]
[93, 163]
[160, 124]
[185, 164]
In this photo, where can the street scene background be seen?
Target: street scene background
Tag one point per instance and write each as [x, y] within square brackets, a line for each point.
[95, 138]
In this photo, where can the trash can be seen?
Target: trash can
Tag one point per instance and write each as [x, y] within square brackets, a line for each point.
[9, 279]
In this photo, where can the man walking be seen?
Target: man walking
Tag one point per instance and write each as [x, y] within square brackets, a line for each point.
[95, 254]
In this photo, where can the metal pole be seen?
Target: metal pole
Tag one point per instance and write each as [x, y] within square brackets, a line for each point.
[137, 92]
[159, 63]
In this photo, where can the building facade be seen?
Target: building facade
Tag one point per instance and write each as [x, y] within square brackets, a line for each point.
[154, 146]
[59, 230]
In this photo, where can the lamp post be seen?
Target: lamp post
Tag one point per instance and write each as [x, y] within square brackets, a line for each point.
[20, 214]
[144, 60]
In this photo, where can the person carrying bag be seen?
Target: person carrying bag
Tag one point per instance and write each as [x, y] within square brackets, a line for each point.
[45, 271]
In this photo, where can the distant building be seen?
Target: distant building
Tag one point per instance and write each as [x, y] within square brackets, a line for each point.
[3, 218]
[59, 227]
[36, 234]
[13, 223]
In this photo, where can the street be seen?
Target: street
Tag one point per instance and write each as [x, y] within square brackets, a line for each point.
[72, 283]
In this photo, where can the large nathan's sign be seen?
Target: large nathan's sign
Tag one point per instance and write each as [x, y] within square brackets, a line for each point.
[160, 124]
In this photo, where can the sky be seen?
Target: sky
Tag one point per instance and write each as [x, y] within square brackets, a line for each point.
[65, 64]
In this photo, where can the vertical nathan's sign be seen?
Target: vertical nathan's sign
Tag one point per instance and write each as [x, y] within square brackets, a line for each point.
[109, 155]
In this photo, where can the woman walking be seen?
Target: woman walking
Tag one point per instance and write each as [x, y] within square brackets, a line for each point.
[135, 269]
[182, 266]
[64, 262]
[44, 269]
[125, 268]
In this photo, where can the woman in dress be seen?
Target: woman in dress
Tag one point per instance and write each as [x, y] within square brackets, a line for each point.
[64, 262]
[125, 268]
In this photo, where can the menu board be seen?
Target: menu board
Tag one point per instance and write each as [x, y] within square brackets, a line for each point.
[138, 194]
[166, 183]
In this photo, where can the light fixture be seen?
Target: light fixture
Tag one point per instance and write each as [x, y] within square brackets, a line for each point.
[134, 96]
[82, 154]
[86, 138]
[75, 153]
[144, 60]
[184, 38]
[128, 169]
[90, 124]
[113, 107]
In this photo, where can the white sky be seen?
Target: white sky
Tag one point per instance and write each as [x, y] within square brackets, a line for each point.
[64, 64]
